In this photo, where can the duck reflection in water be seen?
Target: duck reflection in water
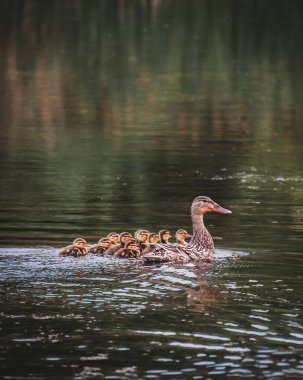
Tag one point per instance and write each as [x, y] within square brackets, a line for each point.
[204, 295]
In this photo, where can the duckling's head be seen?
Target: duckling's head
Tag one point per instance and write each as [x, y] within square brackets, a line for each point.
[113, 237]
[153, 237]
[104, 243]
[164, 235]
[125, 237]
[201, 205]
[80, 242]
[141, 236]
[182, 234]
[132, 245]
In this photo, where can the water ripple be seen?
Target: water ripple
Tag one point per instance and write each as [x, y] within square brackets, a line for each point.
[179, 320]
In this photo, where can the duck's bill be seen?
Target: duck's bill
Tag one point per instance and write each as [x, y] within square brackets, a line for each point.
[221, 210]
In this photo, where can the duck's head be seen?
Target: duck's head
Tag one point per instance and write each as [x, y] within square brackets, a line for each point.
[182, 234]
[80, 242]
[164, 235]
[201, 205]
[125, 237]
[104, 243]
[132, 245]
[153, 237]
[141, 236]
[113, 237]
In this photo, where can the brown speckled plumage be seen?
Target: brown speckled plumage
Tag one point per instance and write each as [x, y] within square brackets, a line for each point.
[201, 245]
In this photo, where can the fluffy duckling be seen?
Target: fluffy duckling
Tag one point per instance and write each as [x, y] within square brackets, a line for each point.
[164, 236]
[152, 240]
[130, 251]
[78, 248]
[114, 238]
[124, 238]
[181, 235]
[101, 247]
[141, 238]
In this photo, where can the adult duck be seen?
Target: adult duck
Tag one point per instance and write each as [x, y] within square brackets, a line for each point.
[201, 245]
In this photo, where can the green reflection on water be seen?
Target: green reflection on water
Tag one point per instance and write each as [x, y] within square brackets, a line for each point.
[116, 114]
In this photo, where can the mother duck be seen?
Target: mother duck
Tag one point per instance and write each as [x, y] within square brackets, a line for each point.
[201, 245]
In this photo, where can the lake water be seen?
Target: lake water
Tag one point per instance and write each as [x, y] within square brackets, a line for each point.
[114, 116]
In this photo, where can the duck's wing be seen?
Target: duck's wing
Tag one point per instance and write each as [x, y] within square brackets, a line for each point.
[167, 252]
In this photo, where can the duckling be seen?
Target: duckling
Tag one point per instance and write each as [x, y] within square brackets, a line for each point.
[181, 235]
[101, 247]
[141, 238]
[130, 251]
[114, 238]
[78, 248]
[164, 236]
[124, 238]
[152, 239]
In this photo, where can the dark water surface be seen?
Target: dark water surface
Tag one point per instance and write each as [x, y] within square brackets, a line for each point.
[114, 115]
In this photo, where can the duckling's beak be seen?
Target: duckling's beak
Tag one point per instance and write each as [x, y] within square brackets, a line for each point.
[221, 210]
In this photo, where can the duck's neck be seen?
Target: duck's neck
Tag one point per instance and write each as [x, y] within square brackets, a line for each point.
[201, 238]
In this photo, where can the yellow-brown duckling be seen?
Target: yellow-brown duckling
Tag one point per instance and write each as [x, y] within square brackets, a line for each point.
[124, 238]
[114, 238]
[181, 235]
[130, 251]
[164, 236]
[152, 240]
[78, 248]
[101, 247]
[141, 237]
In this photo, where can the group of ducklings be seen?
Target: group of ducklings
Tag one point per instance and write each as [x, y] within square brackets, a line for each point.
[124, 245]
